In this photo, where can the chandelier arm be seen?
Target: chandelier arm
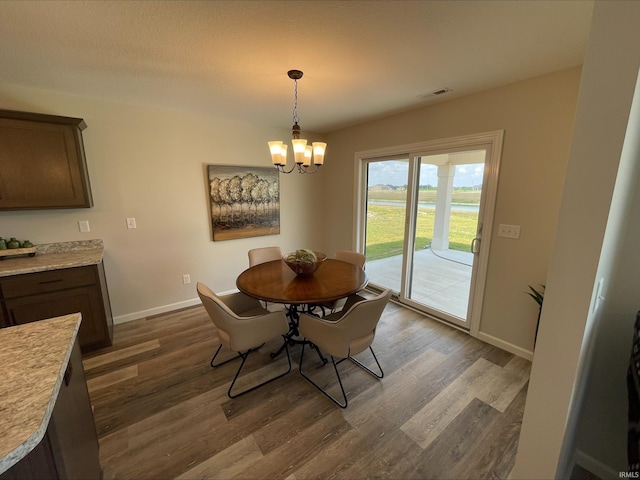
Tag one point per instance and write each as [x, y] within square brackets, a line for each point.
[305, 170]
[281, 168]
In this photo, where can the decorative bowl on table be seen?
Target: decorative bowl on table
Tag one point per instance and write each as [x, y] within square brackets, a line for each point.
[304, 262]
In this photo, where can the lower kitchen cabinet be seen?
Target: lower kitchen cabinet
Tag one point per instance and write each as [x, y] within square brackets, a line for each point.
[35, 296]
[69, 449]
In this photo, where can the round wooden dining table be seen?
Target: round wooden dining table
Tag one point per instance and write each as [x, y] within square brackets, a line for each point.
[275, 282]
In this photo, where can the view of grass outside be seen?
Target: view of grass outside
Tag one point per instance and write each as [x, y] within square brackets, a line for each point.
[385, 221]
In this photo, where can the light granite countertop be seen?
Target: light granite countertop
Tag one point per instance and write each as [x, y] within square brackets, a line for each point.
[34, 357]
[54, 256]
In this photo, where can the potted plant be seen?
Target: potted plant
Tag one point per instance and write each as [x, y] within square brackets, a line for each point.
[538, 297]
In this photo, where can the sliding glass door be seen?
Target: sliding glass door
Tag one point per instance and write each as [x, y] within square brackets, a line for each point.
[387, 191]
[424, 214]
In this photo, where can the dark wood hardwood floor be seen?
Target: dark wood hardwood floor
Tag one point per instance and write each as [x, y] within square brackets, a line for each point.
[449, 406]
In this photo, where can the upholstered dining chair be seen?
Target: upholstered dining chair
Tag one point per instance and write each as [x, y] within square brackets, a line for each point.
[264, 254]
[345, 334]
[243, 327]
[355, 258]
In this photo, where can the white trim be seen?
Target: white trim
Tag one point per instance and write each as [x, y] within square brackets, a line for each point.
[596, 467]
[162, 309]
[486, 216]
[509, 347]
[418, 148]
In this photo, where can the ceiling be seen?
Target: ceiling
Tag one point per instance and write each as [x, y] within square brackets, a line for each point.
[361, 59]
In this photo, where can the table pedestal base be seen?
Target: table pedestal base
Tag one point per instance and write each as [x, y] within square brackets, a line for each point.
[293, 315]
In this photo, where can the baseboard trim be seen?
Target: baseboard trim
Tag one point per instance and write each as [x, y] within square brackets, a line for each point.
[155, 311]
[509, 347]
[161, 309]
[594, 466]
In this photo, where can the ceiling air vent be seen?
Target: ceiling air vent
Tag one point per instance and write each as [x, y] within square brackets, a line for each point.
[435, 93]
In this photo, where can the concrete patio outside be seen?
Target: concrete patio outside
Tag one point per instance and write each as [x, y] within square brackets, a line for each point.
[441, 279]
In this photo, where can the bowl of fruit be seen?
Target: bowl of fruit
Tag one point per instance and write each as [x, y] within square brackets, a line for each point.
[304, 261]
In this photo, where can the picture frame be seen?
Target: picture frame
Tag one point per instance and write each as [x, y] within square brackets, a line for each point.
[244, 201]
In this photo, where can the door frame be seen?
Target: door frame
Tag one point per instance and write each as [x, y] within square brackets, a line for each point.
[492, 142]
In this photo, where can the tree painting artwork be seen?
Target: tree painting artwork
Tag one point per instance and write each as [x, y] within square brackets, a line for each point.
[245, 201]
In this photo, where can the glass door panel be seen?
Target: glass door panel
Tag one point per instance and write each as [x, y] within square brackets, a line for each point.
[449, 188]
[386, 190]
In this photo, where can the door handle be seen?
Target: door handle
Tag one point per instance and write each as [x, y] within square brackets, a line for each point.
[475, 245]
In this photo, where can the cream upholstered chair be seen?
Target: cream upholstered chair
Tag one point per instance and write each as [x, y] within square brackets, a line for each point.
[345, 334]
[349, 256]
[264, 254]
[355, 258]
[243, 327]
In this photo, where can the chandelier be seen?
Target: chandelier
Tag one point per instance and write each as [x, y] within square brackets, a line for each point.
[304, 155]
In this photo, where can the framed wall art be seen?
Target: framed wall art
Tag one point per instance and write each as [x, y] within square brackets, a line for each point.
[244, 201]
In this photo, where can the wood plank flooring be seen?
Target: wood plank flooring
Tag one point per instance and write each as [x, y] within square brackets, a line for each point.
[449, 406]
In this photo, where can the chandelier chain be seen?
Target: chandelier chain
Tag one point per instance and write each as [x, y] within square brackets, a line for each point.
[295, 101]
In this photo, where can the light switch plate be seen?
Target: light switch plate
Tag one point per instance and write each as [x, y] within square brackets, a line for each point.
[509, 231]
[83, 226]
[131, 223]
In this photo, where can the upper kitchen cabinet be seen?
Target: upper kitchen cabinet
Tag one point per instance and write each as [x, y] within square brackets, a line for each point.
[42, 162]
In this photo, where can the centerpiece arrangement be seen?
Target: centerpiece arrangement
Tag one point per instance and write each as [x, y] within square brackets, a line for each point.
[304, 261]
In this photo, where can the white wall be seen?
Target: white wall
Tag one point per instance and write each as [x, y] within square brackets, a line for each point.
[149, 164]
[576, 395]
[537, 117]
[600, 412]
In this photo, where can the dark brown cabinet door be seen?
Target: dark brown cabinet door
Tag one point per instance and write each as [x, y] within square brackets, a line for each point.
[36, 296]
[42, 162]
[85, 300]
[72, 430]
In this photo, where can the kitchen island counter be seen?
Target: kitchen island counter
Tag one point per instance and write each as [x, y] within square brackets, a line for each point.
[34, 359]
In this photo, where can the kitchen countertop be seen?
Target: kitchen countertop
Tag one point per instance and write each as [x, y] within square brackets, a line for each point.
[34, 358]
[54, 256]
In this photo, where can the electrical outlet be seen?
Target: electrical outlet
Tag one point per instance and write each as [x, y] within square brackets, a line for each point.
[131, 223]
[509, 231]
[83, 226]
[186, 279]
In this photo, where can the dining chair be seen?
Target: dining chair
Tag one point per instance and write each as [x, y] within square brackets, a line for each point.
[355, 258]
[243, 327]
[264, 254]
[345, 334]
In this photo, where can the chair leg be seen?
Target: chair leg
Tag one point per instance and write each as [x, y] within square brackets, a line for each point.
[229, 359]
[320, 356]
[244, 359]
[335, 367]
[216, 354]
[367, 369]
